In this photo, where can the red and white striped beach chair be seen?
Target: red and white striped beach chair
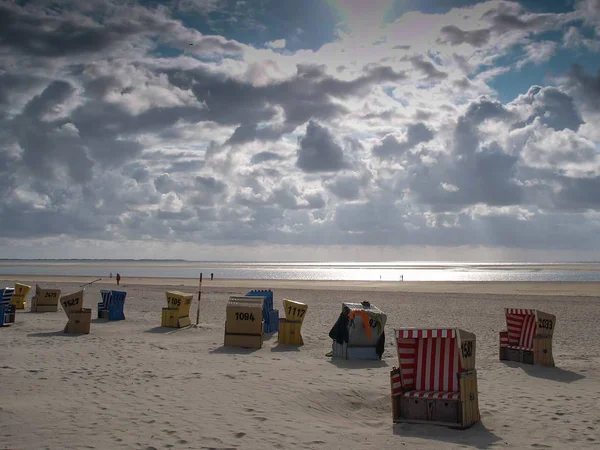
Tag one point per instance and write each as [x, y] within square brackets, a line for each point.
[436, 381]
[528, 338]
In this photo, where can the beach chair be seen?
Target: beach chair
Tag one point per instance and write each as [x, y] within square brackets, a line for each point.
[436, 381]
[244, 325]
[20, 296]
[177, 312]
[112, 304]
[359, 332]
[528, 337]
[290, 328]
[270, 315]
[79, 317]
[45, 300]
[7, 311]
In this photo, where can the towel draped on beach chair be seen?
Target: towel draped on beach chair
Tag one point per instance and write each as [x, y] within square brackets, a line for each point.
[359, 332]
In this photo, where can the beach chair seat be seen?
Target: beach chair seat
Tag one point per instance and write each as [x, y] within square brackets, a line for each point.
[436, 381]
[112, 305]
[244, 324]
[177, 312]
[290, 327]
[20, 296]
[359, 332]
[45, 299]
[270, 315]
[79, 317]
[528, 337]
[7, 310]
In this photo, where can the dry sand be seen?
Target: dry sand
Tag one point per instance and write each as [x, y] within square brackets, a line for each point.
[136, 385]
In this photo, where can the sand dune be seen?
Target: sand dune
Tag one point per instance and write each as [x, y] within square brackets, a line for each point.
[136, 385]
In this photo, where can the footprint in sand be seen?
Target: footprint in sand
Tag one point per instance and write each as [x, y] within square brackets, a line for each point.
[240, 435]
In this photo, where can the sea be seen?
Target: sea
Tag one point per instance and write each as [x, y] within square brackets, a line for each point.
[331, 271]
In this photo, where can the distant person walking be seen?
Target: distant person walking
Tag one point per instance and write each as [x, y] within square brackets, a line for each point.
[212, 275]
[111, 274]
[118, 278]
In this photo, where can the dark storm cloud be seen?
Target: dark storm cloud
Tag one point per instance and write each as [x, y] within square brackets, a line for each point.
[347, 187]
[264, 157]
[207, 190]
[318, 151]
[586, 87]
[308, 94]
[250, 132]
[427, 67]
[471, 173]
[503, 20]
[552, 107]
[41, 33]
[455, 36]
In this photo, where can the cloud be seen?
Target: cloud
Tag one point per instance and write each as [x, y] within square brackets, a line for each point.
[427, 67]
[264, 157]
[585, 87]
[455, 36]
[113, 128]
[537, 53]
[392, 146]
[277, 44]
[550, 106]
[318, 151]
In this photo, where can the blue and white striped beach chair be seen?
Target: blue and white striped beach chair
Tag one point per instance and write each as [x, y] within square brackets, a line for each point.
[112, 305]
[7, 311]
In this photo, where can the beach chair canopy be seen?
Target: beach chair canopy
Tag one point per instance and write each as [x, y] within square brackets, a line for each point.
[7, 294]
[523, 325]
[430, 360]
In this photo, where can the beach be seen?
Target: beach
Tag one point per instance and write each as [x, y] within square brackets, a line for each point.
[133, 384]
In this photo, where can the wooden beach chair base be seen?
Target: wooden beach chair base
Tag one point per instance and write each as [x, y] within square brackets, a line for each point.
[364, 352]
[43, 308]
[171, 318]
[540, 354]
[451, 409]
[79, 322]
[244, 340]
[290, 332]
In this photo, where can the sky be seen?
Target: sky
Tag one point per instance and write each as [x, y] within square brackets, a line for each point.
[300, 130]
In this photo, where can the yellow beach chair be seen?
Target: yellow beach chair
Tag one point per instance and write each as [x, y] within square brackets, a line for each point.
[244, 324]
[177, 312]
[79, 317]
[290, 328]
[20, 296]
[45, 300]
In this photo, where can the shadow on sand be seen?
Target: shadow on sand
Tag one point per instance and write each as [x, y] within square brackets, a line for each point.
[165, 330]
[285, 348]
[477, 436]
[550, 373]
[54, 333]
[357, 363]
[233, 350]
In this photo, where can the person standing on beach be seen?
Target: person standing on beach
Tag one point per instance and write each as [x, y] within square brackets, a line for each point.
[118, 278]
